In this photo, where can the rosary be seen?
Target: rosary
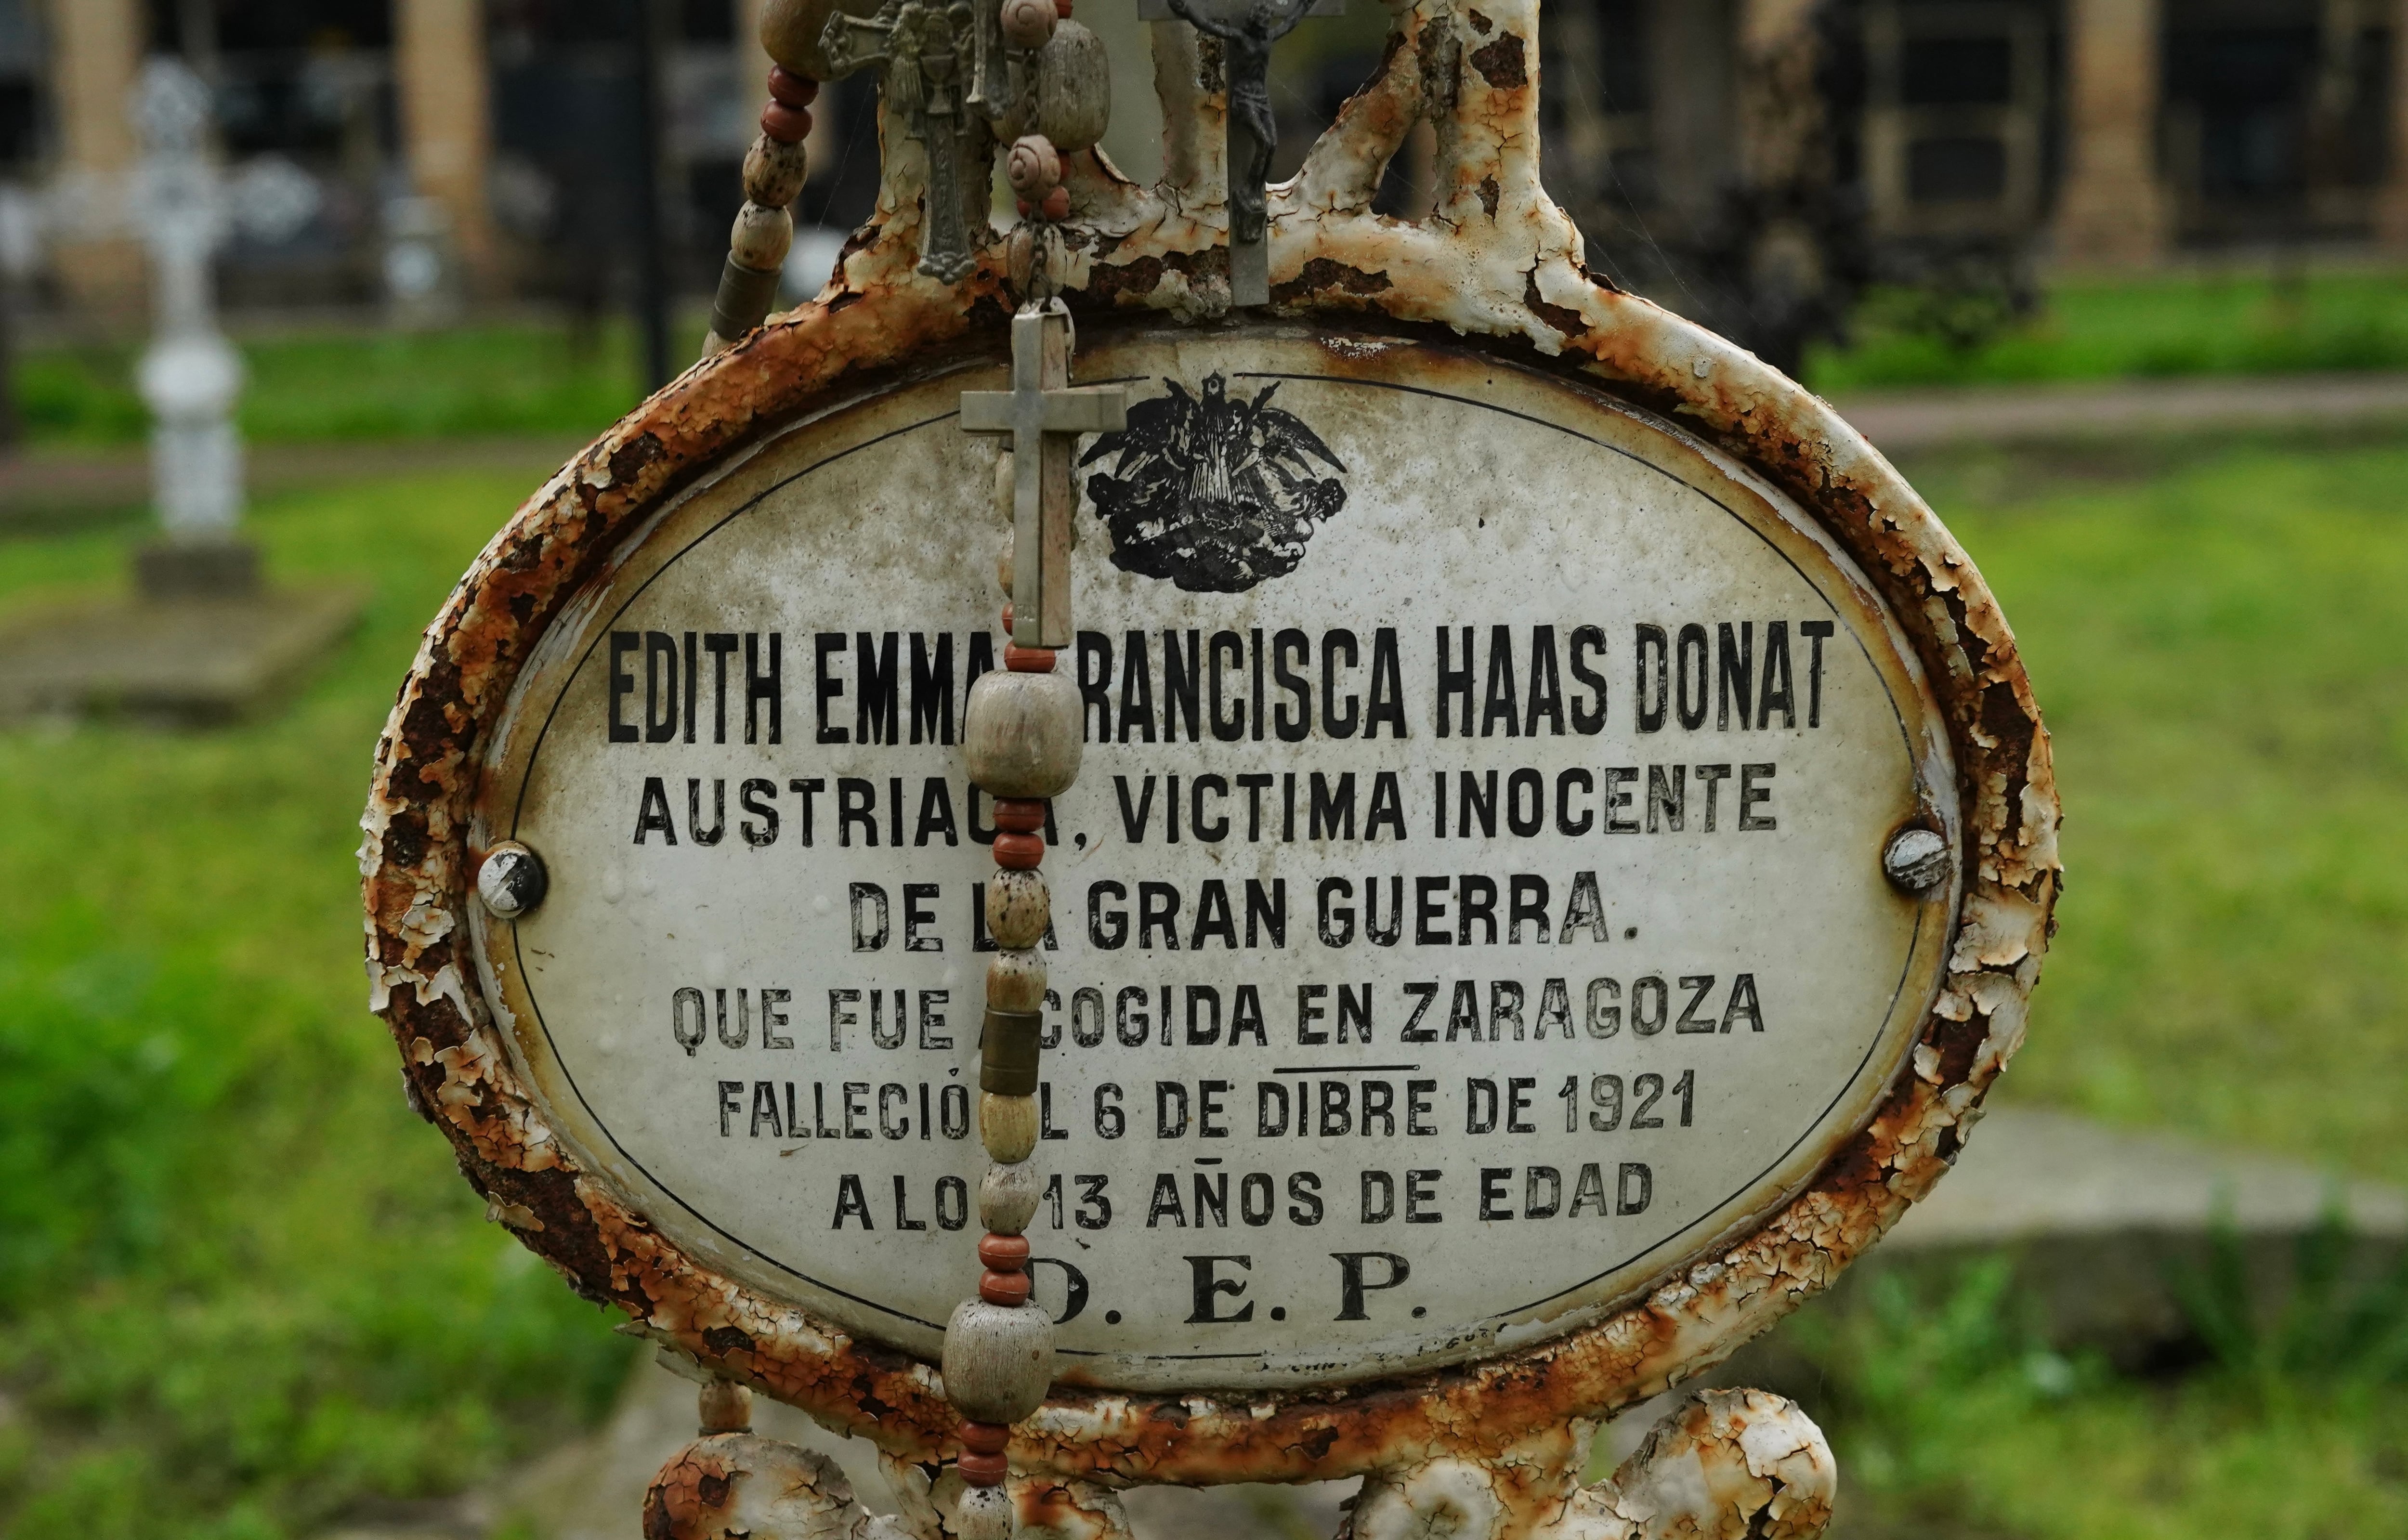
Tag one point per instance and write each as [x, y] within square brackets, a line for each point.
[961, 78]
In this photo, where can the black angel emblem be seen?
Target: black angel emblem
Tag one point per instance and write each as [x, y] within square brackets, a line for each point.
[1215, 493]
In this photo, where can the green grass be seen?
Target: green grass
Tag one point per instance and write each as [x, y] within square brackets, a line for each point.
[534, 377]
[2141, 329]
[1949, 1421]
[241, 1287]
[471, 381]
[243, 1290]
[2216, 648]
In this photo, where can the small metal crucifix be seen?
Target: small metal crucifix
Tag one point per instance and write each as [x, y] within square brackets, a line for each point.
[920, 44]
[1043, 414]
[1247, 29]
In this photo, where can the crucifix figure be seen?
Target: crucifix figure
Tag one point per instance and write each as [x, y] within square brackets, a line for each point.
[920, 43]
[1041, 415]
[1247, 30]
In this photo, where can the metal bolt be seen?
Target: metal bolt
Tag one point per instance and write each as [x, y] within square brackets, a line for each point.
[512, 880]
[1916, 859]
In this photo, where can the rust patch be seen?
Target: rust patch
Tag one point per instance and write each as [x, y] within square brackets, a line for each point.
[1321, 275]
[1563, 318]
[1499, 63]
[633, 458]
[1489, 193]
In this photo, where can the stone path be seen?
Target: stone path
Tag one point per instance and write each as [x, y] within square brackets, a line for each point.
[2096, 1217]
[46, 488]
[1906, 422]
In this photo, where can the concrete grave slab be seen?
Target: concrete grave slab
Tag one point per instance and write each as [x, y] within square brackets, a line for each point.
[191, 663]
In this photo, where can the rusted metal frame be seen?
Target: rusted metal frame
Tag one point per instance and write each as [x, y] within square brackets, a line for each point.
[1496, 263]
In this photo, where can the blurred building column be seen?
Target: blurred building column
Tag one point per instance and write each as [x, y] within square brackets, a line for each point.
[96, 52]
[1781, 114]
[2113, 211]
[752, 65]
[2391, 206]
[445, 90]
[1691, 62]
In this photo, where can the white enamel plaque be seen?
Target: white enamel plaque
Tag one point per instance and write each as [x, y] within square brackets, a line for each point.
[1471, 906]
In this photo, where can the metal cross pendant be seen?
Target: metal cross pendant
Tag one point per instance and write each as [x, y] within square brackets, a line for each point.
[920, 43]
[1043, 414]
[1247, 30]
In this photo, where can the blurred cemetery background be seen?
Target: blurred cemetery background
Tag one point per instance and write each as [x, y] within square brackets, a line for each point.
[2123, 285]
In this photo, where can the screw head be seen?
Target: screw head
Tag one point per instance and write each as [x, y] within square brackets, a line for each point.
[1916, 859]
[512, 882]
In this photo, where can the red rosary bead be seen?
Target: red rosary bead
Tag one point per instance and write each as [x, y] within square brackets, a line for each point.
[793, 89]
[984, 1470]
[1062, 8]
[1004, 1253]
[1029, 660]
[984, 1437]
[785, 125]
[1019, 853]
[1010, 1289]
[1019, 815]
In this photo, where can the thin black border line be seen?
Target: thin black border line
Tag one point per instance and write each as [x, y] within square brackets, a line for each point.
[536, 749]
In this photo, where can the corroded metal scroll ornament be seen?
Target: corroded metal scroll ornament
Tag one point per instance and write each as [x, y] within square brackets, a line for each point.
[1445, 445]
[919, 46]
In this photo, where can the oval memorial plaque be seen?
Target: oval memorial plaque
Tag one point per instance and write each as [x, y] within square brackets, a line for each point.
[1470, 908]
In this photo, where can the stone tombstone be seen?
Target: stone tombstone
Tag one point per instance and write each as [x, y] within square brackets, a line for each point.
[1564, 843]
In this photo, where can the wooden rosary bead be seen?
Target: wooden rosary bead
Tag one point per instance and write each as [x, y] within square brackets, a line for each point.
[986, 1511]
[1019, 908]
[1008, 1197]
[1032, 167]
[1019, 853]
[762, 237]
[744, 300]
[1023, 736]
[1019, 815]
[1074, 88]
[1004, 1288]
[1027, 24]
[1015, 981]
[786, 124]
[999, 1361]
[774, 173]
[1004, 1253]
[1008, 1054]
[984, 1437]
[983, 1472]
[792, 88]
[725, 1407]
[791, 32]
[1007, 1128]
[1029, 660]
